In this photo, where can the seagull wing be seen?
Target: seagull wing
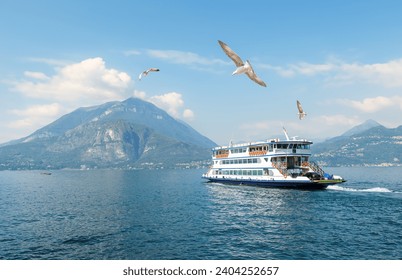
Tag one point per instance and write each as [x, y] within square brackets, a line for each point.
[254, 77]
[231, 54]
[143, 74]
[299, 107]
[153, 69]
[251, 74]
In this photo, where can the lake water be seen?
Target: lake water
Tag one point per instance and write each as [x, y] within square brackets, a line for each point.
[174, 214]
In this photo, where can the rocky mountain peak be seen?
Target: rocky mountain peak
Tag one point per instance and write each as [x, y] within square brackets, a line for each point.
[130, 132]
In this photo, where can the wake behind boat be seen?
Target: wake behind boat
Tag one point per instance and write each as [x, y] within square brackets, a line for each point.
[270, 163]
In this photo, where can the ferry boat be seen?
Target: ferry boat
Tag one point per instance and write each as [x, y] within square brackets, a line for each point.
[270, 163]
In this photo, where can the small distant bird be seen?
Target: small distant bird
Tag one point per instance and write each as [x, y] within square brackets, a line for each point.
[241, 66]
[301, 113]
[143, 74]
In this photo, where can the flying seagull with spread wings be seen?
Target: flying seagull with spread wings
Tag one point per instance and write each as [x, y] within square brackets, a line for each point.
[241, 66]
[143, 74]
[301, 113]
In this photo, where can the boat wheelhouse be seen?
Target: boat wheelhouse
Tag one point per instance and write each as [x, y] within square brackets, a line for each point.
[271, 163]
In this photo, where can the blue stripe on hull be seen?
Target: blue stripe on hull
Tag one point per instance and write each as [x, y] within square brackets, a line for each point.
[273, 184]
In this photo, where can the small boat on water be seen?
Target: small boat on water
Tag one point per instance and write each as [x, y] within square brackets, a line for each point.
[270, 163]
[46, 173]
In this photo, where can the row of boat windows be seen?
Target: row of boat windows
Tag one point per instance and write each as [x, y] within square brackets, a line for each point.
[258, 160]
[244, 172]
[242, 161]
[269, 147]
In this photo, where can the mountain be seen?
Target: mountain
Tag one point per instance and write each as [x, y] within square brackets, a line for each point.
[367, 144]
[128, 134]
[361, 127]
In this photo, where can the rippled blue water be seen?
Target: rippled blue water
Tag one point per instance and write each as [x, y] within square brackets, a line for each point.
[174, 214]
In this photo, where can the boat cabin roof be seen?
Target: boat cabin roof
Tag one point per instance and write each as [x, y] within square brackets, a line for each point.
[267, 142]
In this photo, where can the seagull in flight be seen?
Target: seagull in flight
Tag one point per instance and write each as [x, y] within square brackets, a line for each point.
[241, 66]
[301, 113]
[143, 74]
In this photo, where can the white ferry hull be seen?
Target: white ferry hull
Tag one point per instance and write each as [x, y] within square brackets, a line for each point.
[276, 183]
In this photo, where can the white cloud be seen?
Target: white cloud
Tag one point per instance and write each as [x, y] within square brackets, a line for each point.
[181, 57]
[140, 94]
[312, 69]
[188, 114]
[36, 75]
[132, 52]
[86, 80]
[370, 105]
[387, 74]
[36, 115]
[336, 121]
[171, 102]
[39, 110]
[50, 61]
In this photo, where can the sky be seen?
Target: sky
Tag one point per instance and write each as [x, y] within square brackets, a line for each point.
[341, 59]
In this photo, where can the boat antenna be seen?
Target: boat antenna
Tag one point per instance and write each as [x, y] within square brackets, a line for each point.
[286, 133]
